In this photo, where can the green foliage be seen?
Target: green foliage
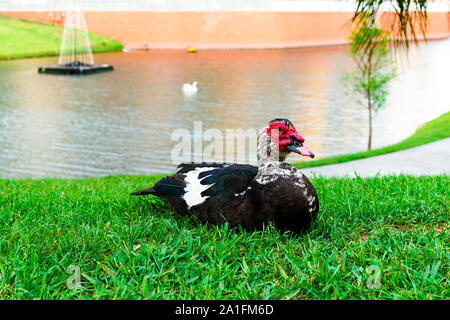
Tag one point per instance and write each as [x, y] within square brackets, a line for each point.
[137, 248]
[370, 90]
[403, 18]
[25, 39]
[374, 68]
[431, 131]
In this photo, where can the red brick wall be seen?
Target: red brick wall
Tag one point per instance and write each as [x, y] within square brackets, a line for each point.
[224, 30]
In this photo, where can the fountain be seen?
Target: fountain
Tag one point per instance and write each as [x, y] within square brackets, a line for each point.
[75, 54]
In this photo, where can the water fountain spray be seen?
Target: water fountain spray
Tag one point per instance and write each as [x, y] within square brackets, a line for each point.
[75, 45]
[75, 55]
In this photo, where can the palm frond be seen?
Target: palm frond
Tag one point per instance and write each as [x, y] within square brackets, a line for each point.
[405, 22]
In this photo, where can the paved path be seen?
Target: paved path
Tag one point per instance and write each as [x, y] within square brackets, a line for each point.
[428, 159]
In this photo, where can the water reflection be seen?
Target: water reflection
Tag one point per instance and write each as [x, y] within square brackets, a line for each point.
[121, 122]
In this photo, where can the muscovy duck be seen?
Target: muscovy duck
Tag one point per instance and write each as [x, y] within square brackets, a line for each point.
[243, 194]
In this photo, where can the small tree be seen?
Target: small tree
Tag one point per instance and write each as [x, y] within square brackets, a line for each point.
[368, 83]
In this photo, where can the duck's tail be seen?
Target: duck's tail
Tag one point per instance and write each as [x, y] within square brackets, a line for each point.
[145, 192]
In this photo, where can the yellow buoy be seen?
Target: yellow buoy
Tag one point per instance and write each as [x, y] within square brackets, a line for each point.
[191, 50]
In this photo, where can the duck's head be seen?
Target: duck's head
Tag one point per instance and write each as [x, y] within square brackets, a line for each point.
[281, 136]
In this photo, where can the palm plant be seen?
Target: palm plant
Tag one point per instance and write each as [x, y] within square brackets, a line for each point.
[406, 20]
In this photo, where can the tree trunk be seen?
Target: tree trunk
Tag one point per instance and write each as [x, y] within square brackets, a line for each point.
[369, 146]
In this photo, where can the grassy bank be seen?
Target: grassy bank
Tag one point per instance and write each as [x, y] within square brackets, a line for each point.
[25, 39]
[131, 247]
[431, 131]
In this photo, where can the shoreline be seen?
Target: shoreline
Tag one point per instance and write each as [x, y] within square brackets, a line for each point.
[431, 131]
[28, 39]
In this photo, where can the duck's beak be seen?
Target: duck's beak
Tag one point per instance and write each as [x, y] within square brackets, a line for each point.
[300, 149]
[297, 144]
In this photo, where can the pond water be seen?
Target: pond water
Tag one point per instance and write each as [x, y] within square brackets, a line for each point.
[121, 122]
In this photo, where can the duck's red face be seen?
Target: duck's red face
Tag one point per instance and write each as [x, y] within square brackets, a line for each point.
[286, 136]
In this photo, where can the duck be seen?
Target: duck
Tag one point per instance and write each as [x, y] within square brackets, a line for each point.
[244, 195]
[190, 88]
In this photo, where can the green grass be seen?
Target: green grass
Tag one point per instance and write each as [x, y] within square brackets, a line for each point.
[135, 247]
[431, 131]
[25, 39]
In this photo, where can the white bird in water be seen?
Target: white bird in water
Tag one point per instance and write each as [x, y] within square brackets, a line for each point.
[190, 88]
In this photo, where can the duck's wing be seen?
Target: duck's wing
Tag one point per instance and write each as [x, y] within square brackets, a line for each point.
[227, 181]
[174, 184]
[194, 183]
[189, 166]
[217, 182]
[171, 189]
[171, 185]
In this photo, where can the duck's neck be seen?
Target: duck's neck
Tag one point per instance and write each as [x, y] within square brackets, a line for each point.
[267, 151]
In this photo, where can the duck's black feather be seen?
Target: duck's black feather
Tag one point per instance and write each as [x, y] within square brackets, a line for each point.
[144, 192]
[172, 185]
[229, 180]
[225, 179]
[189, 166]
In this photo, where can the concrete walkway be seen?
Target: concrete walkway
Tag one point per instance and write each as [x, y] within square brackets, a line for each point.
[428, 159]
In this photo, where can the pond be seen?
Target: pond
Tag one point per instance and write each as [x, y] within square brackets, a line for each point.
[121, 122]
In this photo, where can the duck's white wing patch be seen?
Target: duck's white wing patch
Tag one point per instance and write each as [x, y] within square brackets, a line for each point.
[193, 190]
[243, 192]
